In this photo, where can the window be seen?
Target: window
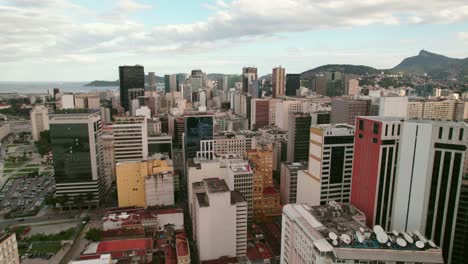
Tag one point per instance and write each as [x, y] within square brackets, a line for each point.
[360, 135]
[450, 133]
[460, 135]
[374, 140]
[441, 131]
[375, 129]
[361, 124]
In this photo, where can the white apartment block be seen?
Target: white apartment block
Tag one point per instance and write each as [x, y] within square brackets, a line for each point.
[288, 182]
[130, 138]
[430, 175]
[159, 189]
[335, 233]
[328, 178]
[39, 121]
[394, 106]
[239, 177]
[219, 220]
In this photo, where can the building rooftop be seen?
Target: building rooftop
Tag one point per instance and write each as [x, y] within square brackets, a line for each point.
[202, 199]
[295, 165]
[339, 228]
[236, 197]
[182, 247]
[215, 185]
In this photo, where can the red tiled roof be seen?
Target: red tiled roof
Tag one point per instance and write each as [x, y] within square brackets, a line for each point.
[269, 191]
[221, 260]
[258, 251]
[182, 245]
[170, 255]
[123, 232]
[123, 245]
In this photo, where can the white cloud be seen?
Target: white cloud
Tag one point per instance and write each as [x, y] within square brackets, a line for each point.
[131, 5]
[463, 36]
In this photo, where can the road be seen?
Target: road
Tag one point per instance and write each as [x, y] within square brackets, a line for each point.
[45, 219]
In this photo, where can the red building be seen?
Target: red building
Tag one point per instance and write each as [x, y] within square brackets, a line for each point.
[374, 167]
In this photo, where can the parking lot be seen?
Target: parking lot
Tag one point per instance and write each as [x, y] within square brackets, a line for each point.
[25, 195]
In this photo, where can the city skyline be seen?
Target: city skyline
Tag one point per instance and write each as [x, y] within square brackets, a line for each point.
[60, 40]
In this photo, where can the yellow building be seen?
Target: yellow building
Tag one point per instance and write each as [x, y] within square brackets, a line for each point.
[136, 179]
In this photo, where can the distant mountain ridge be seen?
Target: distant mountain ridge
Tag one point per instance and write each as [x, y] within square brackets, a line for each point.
[435, 65]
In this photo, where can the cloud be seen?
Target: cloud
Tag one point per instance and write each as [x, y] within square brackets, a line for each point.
[50, 28]
[463, 36]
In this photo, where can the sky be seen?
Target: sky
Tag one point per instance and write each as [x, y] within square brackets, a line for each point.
[84, 40]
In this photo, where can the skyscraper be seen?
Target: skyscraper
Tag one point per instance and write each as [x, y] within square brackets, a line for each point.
[277, 81]
[39, 121]
[170, 83]
[293, 82]
[197, 128]
[152, 80]
[376, 143]
[130, 77]
[298, 137]
[428, 186]
[345, 110]
[76, 148]
[249, 74]
[130, 138]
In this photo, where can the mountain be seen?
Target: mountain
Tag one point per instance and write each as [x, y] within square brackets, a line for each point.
[344, 68]
[435, 65]
[103, 83]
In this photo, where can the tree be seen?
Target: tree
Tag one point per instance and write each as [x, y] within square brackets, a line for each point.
[89, 198]
[78, 200]
[43, 144]
[94, 235]
[50, 199]
[63, 200]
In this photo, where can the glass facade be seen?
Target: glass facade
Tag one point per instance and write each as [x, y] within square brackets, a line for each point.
[71, 152]
[130, 77]
[197, 128]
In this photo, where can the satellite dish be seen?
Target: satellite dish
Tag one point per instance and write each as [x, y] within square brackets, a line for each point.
[346, 238]
[378, 229]
[332, 236]
[408, 238]
[382, 238]
[419, 244]
[360, 236]
[432, 244]
[395, 233]
[389, 244]
[421, 237]
[335, 243]
[401, 242]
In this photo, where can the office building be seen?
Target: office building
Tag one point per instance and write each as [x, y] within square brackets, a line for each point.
[197, 128]
[170, 83]
[293, 82]
[249, 74]
[107, 141]
[288, 182]
[318, 84]
[430, 174]
[298, 137]
[152, 80]
[260, 115]
[437, 109]
[345, 110]
[160, 144]
[320, 118]
[219, 220]
[130, 138]
[77, 154]
[39, 121]
[145, 183]
[328, 177]
[376, 143]
[66, 101]
[87, 101]
[283, 111]
[424, 90]
[130, 77]
[239, 177]
[352, 87]
[266, 199]
[277, 82]
[334, 233]
[396, 106]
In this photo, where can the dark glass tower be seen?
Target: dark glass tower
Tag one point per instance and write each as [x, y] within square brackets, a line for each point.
[196, 128]
[293, 82]
[298, 137]
[130, 77]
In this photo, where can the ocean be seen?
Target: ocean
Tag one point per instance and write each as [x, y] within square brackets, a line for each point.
[42, 87]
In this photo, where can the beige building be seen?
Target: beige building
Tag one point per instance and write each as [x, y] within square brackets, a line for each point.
[278, 81]
[39, 121]
[8, 249]
[145, 183]
[438, 109]
[87, 101]
[353, 87]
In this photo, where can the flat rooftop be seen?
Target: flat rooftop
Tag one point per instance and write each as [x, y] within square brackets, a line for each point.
[215, 185]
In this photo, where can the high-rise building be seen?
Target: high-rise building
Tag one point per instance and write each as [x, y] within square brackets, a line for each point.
[107, 140]
[298, 137]
[130, 138]
[130, 77]
[266, 199]
[288, 182]
[260, 115]
[197, 128]
[345, 110]
[283, 111]
[239, 177]
[152, 80]
[318, 84]
[428, 186]
[376, 144]
[352, 87]
[293, 82]
[77, 154]
[170, 83]
[277, 82]
[328, 177]
[335, 233]
[424, 90]
[145, 183]
[39, 121]
[9, 248]
[395, 106]
[219, 220]
[437, 109]
[249, 74]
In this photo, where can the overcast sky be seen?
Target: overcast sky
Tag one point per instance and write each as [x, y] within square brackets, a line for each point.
[82, 40]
